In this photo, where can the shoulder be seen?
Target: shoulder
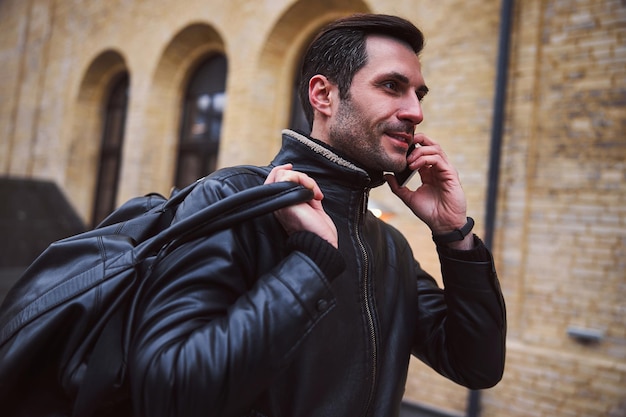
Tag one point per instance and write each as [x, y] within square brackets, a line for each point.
[220, 184]
[236, 176]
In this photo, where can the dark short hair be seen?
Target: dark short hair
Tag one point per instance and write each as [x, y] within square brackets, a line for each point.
[338, 51]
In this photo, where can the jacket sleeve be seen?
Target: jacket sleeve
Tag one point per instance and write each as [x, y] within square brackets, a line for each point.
[462, 329]
[209, 337]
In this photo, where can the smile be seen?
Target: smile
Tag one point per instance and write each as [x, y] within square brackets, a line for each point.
[401, 136]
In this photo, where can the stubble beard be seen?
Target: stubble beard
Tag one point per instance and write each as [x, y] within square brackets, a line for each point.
[352, 135]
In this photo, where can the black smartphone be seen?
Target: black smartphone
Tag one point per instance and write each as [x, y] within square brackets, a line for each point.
[404, 176]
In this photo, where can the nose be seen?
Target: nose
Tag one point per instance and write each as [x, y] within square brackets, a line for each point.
[411, 110]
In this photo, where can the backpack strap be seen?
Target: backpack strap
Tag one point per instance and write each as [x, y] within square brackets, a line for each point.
[105, 374]
[234, 209]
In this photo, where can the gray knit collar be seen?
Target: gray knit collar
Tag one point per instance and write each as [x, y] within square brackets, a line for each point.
[322, 150]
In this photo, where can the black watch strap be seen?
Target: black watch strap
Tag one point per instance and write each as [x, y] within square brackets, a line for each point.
[455, 235]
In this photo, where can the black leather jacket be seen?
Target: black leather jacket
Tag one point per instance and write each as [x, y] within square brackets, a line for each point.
[246, 323]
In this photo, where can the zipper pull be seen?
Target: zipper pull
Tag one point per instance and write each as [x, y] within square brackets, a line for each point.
[366, 194]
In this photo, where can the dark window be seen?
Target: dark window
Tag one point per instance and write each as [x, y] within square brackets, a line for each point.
[111, 149]
[201, 121]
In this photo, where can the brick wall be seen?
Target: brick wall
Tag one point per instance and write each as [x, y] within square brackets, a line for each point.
[563, 208]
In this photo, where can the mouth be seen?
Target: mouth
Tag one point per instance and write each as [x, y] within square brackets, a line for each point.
[400, 132]
[405, 138]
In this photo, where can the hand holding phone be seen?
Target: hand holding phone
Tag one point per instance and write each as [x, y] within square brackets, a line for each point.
[405, 176]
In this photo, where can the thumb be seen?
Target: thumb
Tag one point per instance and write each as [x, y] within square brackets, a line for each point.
[402, 192]
[393, 185]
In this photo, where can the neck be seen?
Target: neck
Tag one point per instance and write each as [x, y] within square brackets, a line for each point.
[320, 133]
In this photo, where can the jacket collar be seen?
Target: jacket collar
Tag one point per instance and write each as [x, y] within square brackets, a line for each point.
[320, 160]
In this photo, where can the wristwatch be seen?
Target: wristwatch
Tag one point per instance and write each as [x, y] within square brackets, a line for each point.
[456, 235]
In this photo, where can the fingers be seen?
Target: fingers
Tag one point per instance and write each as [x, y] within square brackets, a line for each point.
[423, 140]
[308, 216]
[286, 173]
[428, 154]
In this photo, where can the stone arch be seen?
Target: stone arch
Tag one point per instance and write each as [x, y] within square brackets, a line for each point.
[86, 132]
[284, 45]
[179, 59]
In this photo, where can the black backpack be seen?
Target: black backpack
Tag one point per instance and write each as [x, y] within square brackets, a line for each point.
[63, 337]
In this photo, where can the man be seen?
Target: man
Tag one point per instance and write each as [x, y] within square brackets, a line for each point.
[316, 310]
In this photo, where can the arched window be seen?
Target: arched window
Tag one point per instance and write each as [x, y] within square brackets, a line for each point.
[111, 148]
[201, 121]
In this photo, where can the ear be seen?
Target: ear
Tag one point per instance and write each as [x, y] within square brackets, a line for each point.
[321, 94]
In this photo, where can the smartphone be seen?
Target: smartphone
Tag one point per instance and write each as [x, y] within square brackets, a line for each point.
[406, 175]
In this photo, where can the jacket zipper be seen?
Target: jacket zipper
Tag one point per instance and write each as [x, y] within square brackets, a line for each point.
[367, 299]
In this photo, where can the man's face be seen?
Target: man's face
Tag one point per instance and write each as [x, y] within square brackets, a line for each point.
[375, 124]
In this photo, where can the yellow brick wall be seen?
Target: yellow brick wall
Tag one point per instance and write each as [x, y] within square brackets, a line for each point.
[563, 209]
[561, 223]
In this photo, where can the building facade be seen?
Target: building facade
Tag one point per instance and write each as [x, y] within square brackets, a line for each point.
[119, 98]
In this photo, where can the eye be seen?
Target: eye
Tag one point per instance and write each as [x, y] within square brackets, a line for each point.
[421, 93]
[390, 85]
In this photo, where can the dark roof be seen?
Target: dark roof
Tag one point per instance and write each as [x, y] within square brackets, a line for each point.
[33, 214]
